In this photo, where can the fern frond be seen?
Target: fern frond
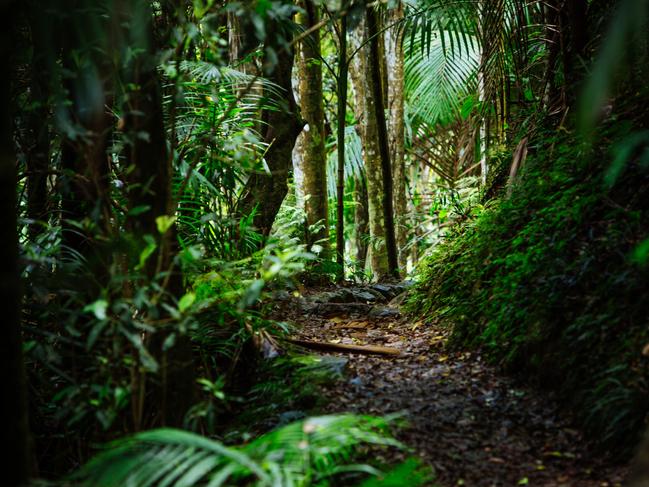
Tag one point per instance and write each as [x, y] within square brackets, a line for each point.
[301, 453]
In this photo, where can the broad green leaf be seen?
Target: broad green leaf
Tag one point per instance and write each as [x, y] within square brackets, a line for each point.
[164, 223]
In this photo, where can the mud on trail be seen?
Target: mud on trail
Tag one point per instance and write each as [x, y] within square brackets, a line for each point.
[473, 425]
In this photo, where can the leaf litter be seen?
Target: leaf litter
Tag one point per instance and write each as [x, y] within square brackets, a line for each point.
[472, 424]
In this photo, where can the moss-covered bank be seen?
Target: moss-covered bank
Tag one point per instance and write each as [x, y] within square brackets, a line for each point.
[553, 281]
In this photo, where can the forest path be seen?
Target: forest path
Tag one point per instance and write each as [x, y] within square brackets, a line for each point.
[473, 425]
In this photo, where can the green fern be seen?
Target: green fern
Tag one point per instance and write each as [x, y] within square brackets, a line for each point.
[307, 452]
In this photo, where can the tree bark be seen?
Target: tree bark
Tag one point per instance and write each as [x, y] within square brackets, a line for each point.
[574, 36]
[341, 89]
[313, 137]
[366, 117]
[264, 193]
[84, 185]
[361, 217]
[151, 171]
[13, 380]
[373, 31]
[396, 127]
[38, 152]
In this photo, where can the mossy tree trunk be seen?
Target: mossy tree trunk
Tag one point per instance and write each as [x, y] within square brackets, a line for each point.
[396, 126]
[312, 146]
[375, 60]
[366, 111]
[341, 92]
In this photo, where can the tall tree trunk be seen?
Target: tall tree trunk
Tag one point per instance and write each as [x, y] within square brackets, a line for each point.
[574, 36]
[341, 90]
[38, 153]
[396, 126]
[84, 185]
[313, 137]
[14, 384]
[151, 166]
[264, 193]
[360, 70]
[373, 31]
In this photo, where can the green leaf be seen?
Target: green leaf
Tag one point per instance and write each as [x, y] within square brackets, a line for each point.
[98, 308]
[186, 301]
[146, 253]
[138, 210]
[164, 223]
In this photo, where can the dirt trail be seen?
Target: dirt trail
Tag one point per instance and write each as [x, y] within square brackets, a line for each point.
[473, 425]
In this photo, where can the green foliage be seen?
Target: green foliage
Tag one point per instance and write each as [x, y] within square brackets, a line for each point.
[315, 451]
[437, 81]
[547, 282]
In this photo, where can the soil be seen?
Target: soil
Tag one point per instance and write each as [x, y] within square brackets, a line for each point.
[471, 423]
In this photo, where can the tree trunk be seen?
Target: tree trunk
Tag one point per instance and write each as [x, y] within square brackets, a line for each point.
[313, 137]
[373, 31]
[361, 218]
[574, 36]
[13, 380]
[366, 116]
[150, 162]
[396, 127]
[84, 185]
[341, 91]
[38, 152]
[264, 193]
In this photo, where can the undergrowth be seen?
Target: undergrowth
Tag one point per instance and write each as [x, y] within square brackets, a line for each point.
[551, 281]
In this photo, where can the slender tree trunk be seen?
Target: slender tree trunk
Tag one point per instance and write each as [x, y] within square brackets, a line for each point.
[396, 127]
[361, 218]
[343, 74]
[38, 153]
[574, 36]
[360, 70]
[84, 185]
[151, 166]
[373, 30]
[313, 138]
[13, 381]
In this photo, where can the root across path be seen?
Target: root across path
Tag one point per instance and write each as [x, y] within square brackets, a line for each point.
[472, 424]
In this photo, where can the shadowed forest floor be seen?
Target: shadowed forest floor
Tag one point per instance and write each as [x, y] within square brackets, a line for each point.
[467, 420]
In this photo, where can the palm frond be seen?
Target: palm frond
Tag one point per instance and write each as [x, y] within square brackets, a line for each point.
[354, 166]
[437, 81]
[302, 453]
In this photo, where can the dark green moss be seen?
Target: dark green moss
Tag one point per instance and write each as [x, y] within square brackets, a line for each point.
[544, 283]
